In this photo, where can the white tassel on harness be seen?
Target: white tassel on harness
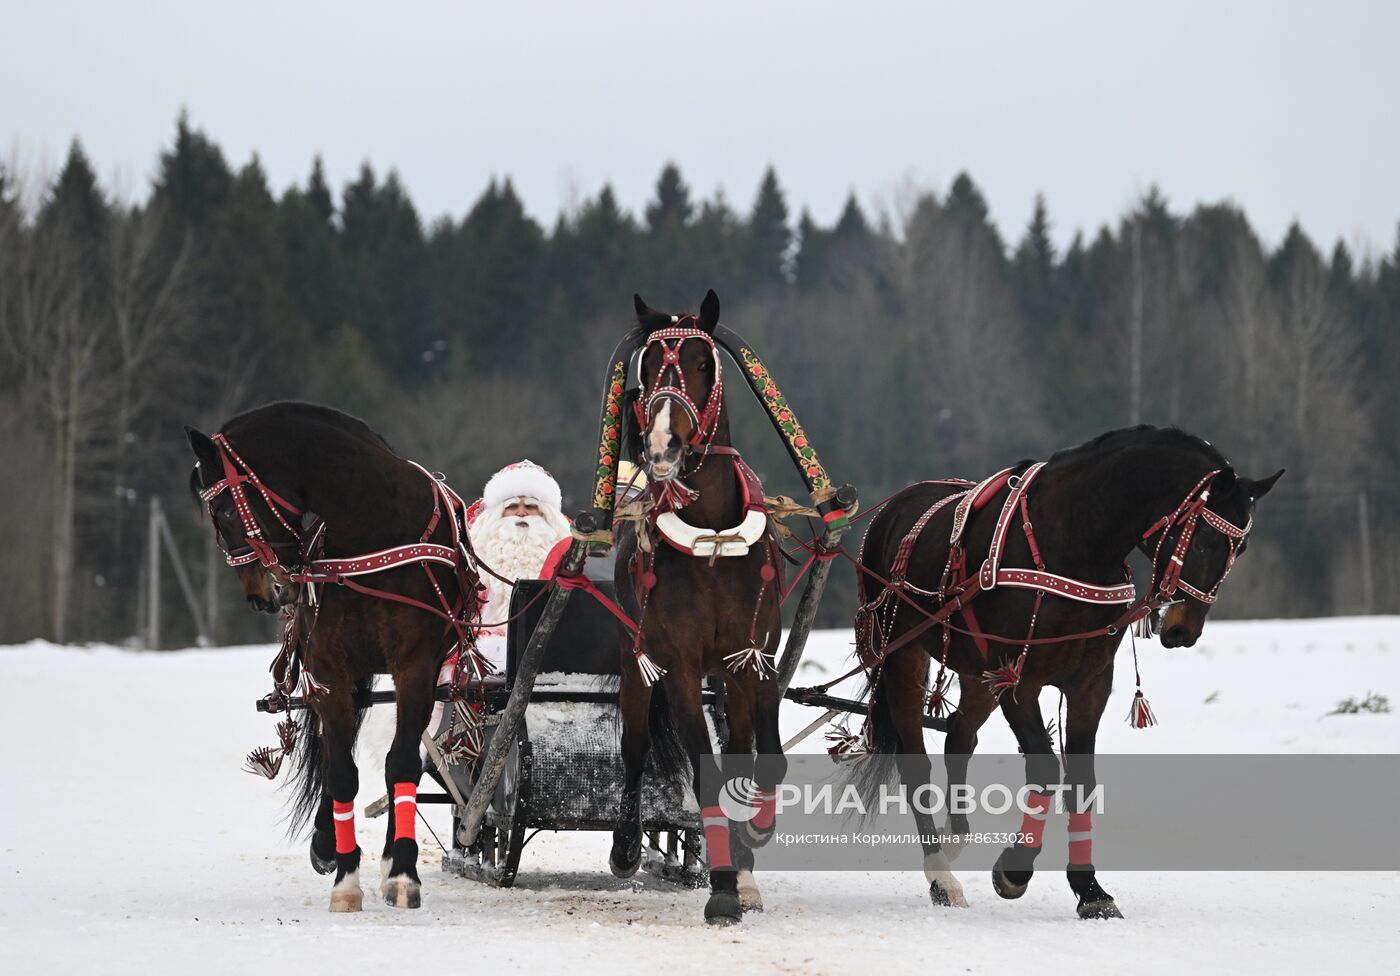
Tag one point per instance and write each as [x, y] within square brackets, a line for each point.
[651, 671]
[752, 657]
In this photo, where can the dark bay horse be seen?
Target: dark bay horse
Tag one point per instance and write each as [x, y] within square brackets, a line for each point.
[1041, 554]
[266, 477]
[699, 574]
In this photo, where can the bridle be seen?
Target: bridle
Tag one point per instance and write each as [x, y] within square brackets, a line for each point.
[1188, 516]
[237, 475]
[669, 383]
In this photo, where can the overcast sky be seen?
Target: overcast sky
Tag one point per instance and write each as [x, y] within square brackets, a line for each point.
[1288, 108]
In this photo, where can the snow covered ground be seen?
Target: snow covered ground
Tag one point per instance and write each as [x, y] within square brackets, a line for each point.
[132, 843]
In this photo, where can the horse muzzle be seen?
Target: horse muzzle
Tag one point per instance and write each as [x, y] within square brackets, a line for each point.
[260, 604]
[665, 467]
[1178, 637]
[1182, 624]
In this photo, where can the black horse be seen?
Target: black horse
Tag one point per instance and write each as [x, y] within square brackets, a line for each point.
[267, 477]
[1078, 517]
[702, 583]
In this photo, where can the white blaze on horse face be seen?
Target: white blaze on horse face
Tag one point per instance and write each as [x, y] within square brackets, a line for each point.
[659, 437]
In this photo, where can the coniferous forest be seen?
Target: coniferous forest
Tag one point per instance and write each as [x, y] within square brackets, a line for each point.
[914, 344]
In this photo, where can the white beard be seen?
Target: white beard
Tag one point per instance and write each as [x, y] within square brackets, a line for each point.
[516, 548]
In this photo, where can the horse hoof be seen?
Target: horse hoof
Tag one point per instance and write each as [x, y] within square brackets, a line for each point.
[402, 892]
[1010, 883]
[944, 898]
[624, 859]
[1100, 908]
[319, 864]
[347, 898]
[750, 898]
[723, 908]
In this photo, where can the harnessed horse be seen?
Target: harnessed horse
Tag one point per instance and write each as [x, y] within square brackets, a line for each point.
[1048, 604]
[380, 580]
[702, 550]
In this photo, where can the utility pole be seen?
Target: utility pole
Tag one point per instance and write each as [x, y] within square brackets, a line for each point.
[153, 577]
[1368, 590]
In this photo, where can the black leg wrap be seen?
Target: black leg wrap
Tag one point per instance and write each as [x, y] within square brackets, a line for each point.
[405, 858]
[346, 864]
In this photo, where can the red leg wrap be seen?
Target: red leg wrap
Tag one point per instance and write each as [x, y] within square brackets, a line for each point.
[344, 814]
[1081, 838]
[767, 808]
[716, 837]
[1033, 820]
[405, 810]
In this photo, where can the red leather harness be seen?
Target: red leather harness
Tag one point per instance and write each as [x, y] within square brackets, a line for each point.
[957, 589]
[669, 382]
[311, 572]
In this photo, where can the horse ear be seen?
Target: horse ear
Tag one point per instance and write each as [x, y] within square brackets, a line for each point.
[709, 311]
[644, 310]
[1258, 489]
[205, 451]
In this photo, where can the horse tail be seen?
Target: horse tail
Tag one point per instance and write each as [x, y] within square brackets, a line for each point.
[877, 766]
[308, 776]
[667, 755]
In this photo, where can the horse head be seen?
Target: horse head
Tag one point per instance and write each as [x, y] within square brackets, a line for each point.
[1211, 532]
[677, 369]
[259, 541]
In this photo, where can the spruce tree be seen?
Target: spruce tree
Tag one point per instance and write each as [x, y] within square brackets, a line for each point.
[311, 248]
[767, 237]
[1034, 266]
[672, 207]
[810, 262]
[192, 179]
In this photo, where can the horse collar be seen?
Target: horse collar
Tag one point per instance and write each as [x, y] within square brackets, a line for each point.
[708, 543]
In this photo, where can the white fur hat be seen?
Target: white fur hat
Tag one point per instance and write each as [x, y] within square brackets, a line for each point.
[523, 478]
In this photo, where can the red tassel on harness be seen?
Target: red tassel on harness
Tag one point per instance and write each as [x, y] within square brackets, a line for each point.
[1140, 714]
[1006, 677]
[287, 732]
[937, 704]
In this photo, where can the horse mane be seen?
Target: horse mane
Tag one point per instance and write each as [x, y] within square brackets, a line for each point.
[281, 411]
[1143, 435]
[314, 413]
[1147, 437]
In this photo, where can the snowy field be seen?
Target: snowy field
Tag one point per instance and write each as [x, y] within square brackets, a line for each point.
[132, 843]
